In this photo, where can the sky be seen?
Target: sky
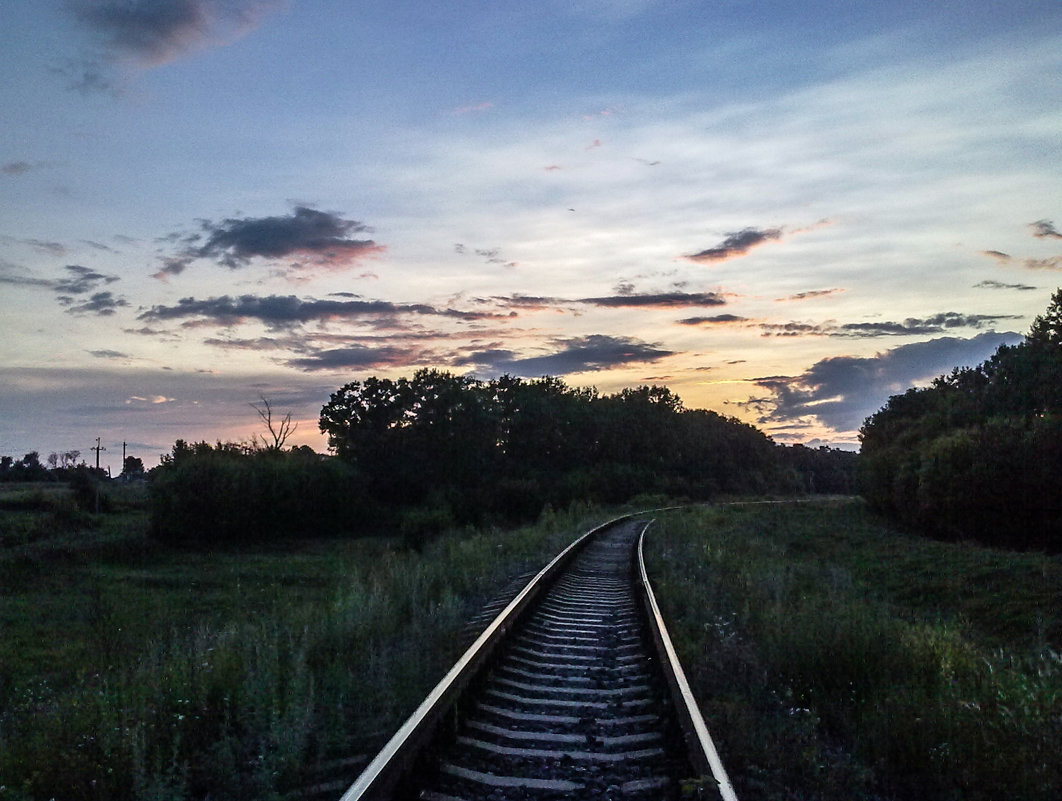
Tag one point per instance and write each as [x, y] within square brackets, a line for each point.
[785, 212]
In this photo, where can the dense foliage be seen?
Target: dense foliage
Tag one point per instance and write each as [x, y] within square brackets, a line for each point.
[978, 453]
[503, 449]
[231, 493]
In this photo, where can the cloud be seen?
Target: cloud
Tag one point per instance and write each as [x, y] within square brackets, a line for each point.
[108, 354]
[103, 304]
[998, 285]
[1045, 229]
[81, 280]
[357, 357]
[20, 167]
[306, 233]
[998, 255]
[911, 326]
[1051, 263]
[152, 32]
[815, 293]
[624, 299]
[737, 243]
[490, 255]
[842, 391]
[78, 281]
[661, 300]
[279, 311]
[718, 319]
[576, 355]
[14, 275]
[472, 108]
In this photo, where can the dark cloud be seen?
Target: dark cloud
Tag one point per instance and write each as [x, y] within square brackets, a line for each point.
[912, 326]
[718, 319]
[81, 280]
[998, 285]
[103, 304]
[661, 301]
[357, 357]
[842, 391]
[20, 167]
[77, 281]
[1045, 229]
[108, 354]
[998, 255]
[578, 355]
[623, 299]
[323, 237]
[936, 324]
[737, 243]
[156, 31]
[279, 311]
[816, 293]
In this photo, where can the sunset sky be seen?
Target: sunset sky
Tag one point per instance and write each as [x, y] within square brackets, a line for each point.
[783, 211]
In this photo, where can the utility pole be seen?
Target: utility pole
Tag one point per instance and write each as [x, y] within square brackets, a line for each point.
[98, 448]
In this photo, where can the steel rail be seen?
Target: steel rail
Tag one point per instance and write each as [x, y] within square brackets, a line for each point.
[380, 778]
[699, 743]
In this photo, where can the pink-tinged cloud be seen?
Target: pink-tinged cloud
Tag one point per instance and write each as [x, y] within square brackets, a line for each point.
[552, 167]
[473, 108]
[592, 145]
[736, 243]
[1051, 263]
[313, 239]
[998, 255]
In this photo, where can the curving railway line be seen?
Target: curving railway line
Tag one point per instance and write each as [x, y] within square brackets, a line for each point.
[573, 691]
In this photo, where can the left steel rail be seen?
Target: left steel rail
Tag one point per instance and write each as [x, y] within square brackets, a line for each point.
[380, 778]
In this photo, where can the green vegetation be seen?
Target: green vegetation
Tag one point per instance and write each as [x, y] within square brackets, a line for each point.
[838, 658]
[134, 669]
[979, 453]
[501, 450]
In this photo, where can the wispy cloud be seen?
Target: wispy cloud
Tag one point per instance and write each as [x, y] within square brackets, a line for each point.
[815, 293]
[102, 304]
[621, 300]
[576, 355]
[718, 319]
[911, 326]
[1000, 285]
[281, 311]
[737, 243]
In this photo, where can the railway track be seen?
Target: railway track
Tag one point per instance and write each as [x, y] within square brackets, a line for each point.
[572, 692]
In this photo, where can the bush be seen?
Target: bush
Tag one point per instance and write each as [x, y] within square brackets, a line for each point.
[226, 496]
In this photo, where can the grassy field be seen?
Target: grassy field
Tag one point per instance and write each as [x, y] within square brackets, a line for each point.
[129, 669]
[838, 658]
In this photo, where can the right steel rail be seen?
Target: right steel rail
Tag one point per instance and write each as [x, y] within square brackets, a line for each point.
[698, 741]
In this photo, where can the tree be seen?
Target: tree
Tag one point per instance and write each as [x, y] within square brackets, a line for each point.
[133, 466]
[279, 431]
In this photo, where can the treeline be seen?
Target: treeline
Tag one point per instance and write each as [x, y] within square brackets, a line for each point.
[421, 454]
[979, 452]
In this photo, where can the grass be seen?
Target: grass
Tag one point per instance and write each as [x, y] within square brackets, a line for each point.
[133, 670]
[838, 658]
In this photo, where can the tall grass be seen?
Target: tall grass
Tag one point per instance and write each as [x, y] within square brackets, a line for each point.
[246, 708]
[818, 683]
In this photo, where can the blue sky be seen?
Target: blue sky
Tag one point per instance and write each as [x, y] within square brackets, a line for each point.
[784, 212]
